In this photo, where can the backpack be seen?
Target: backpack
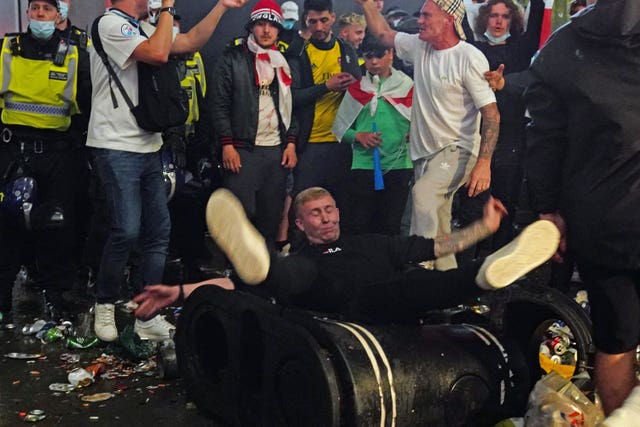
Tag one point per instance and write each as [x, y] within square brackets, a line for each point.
[162, 102]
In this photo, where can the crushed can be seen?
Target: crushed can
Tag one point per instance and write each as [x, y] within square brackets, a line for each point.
[33, 328]
[52, 335]
[34, 416]
[82, 342]
[167, 360]
[80, 378]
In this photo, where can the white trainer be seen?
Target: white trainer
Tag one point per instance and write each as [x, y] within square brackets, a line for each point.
[533, 246]
[628, 414]
[237, 237]
[154, 329]
[105, 322]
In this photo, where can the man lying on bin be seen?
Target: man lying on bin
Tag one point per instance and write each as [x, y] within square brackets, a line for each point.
[367, 276]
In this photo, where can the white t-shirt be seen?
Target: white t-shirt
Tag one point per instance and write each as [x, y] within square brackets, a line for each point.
[449, 90]
[268, 133]
[109, 127]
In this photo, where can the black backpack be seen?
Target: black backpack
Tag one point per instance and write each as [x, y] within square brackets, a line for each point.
[162, 102]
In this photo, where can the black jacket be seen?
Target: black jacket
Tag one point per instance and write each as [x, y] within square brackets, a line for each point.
[305, 91]
[516, 56]
[235, 98]
[584, 138]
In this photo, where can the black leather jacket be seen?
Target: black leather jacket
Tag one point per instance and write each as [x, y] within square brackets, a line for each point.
[305, 91]
[235, 98]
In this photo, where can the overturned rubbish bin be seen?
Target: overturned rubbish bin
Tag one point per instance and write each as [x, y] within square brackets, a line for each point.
[527, 314]
[246, 362]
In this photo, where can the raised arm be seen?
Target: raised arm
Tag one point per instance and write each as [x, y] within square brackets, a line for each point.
[376, 23]
[155, 50]
[197, 36]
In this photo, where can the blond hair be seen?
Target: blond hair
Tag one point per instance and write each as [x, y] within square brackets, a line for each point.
[311, 193]
[348, 19]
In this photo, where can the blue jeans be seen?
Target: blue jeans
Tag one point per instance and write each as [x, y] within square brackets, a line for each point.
[137, 201]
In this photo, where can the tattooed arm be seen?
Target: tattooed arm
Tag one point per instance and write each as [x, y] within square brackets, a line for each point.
[480, 177]
[460, 240]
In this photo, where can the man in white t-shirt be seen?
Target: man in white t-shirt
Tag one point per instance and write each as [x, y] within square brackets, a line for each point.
[446, 148]
[127, 157]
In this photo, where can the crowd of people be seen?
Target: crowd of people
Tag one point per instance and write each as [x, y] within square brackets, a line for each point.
[384, 115]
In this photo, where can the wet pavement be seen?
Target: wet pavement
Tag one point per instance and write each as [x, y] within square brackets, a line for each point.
[134, 391]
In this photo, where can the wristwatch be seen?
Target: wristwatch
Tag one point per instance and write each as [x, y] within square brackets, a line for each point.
[171, 10]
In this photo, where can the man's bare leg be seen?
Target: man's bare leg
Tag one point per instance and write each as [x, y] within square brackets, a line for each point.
[615, 378]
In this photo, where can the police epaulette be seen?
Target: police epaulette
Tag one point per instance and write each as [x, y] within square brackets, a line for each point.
[78, 37]
[14, 45]
[283, 46]
[238, 41]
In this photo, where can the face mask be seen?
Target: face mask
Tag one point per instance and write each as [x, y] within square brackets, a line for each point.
[153, 17]
[288, 25]
[42, 29]
[175, 30]
[497, 39]
[64, 11]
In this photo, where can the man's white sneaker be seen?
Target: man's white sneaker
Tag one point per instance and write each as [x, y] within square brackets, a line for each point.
[628, 414]
[533, 246]
[237, 237]
[105, 322]
[154, 329]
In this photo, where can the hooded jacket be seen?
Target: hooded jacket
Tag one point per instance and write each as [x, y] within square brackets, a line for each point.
[583, 156]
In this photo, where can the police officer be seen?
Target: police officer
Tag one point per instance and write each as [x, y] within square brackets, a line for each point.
[78, 130]
[188, 230]
[44, 82]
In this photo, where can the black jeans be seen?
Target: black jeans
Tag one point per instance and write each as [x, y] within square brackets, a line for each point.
[371, 211]
[260, 187]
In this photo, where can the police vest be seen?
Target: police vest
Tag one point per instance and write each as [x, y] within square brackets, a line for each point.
[36, 92]
[194, 77]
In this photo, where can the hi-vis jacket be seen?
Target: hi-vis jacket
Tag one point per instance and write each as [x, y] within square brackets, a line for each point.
[37, 92]
[195, 83]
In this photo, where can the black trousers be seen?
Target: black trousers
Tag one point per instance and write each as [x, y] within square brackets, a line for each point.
[371, 211]
[260, 187]
[297, 280]
[51, 246]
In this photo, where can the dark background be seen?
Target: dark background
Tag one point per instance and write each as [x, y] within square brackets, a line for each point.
[232, 25]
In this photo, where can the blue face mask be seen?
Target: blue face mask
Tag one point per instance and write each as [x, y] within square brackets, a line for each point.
[497, 39]
[64, 11]
[42, 29]
[288, 25]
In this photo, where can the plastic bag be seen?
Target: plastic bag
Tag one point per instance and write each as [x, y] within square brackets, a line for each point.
[557, 402]
[133, 346]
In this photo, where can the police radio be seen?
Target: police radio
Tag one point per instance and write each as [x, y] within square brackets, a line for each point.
[61, 53]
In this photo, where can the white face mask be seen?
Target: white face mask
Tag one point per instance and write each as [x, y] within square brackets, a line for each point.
[64, 11]
[176, 30]
[153, 17]
[42, 29]
[153, 8]
[497, 39]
